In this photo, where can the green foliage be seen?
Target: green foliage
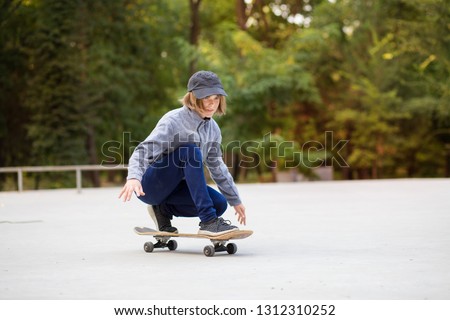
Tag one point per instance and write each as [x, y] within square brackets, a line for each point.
[15, 27]
[75, 75]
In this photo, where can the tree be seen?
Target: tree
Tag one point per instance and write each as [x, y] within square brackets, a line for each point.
[77, 76]
[373, 54]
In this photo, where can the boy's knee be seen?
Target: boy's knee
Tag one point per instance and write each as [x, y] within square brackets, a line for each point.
[190, 151]
[221, 206]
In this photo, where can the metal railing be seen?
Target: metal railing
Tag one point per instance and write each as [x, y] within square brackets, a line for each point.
[77, 168]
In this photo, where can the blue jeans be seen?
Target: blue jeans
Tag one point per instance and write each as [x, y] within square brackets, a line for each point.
[177, 183]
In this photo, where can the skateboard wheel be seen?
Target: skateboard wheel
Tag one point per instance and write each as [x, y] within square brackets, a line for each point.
[209, 251]
[172, 245]
[148, 247]
[231, 248]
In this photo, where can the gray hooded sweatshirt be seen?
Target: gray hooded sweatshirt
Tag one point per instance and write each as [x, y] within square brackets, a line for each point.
[178, 127]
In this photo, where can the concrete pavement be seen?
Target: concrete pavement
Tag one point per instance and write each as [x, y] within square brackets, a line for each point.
[385, 239]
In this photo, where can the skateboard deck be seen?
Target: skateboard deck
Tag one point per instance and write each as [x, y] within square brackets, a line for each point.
[219, 241]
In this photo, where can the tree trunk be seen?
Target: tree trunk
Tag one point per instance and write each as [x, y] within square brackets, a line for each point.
[195, 31]
[236, 166]
[241, 15]
[260, 5]
[347, 172]
[411, 168]
[447, 162]
[92, 154]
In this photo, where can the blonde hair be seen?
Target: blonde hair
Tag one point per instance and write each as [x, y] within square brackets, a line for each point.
[191, 101]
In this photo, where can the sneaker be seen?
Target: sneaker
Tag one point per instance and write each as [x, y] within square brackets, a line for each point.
[161, 221]
[216, 226]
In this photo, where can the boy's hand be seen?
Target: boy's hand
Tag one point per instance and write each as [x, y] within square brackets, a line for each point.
[240, 212]
[132, 185]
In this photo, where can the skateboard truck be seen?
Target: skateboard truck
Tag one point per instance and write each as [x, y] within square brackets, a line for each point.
[162, 242]
[219, 246]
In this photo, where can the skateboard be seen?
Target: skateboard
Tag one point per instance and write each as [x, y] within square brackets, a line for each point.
[219, 242]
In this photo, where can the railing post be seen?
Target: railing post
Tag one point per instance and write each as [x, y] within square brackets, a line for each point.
[79, 182]
[20, 180]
